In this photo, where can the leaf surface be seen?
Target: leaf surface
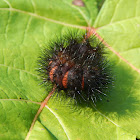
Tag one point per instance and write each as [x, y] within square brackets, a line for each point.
[25, 26]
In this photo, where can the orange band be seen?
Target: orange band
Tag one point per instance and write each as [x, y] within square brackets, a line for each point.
[65, 80]
[83, 82]
[52, 73]
[50, 62]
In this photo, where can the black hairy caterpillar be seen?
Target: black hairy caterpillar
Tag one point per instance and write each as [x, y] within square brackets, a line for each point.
[78, 65]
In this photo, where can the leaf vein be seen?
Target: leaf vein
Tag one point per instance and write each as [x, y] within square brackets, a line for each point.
[4, 92]
[59, 120]
[6, 29]
[8, 3]
[117, 3]
[33, 4]
[105, 116]
[128, 19]
[22, 100]
[79, 10]
[26, 29]
[20, 70]
[44, 18]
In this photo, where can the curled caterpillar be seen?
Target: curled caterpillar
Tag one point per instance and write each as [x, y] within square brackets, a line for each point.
[78, 65]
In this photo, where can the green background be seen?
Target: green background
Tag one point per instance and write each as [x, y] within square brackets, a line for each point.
[25, 27]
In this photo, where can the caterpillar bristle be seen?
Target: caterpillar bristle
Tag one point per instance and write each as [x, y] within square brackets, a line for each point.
[78, 65]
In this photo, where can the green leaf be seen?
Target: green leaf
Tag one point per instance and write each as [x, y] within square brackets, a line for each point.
[25, 26]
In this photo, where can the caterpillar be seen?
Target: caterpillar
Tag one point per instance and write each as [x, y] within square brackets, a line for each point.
[78, 65]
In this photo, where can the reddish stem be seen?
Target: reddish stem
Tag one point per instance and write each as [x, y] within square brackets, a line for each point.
[39, 110]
